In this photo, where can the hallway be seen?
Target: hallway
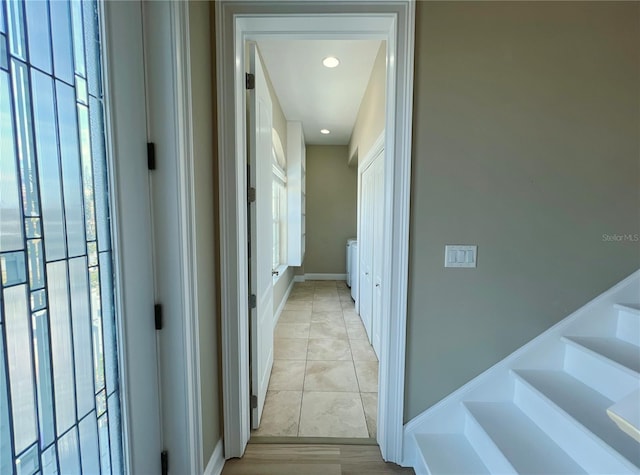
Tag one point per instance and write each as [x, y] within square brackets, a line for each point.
[324, 381]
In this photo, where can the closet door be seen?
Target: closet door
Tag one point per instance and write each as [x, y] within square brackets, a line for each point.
[365, 284]
[377, 260]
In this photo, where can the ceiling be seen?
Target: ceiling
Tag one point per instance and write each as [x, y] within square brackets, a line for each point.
[317, 96]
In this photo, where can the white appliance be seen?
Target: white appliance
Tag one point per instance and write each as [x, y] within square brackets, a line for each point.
[354, 272]
[349, 260]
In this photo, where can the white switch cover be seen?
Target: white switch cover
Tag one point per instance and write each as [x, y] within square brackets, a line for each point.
[460, 256]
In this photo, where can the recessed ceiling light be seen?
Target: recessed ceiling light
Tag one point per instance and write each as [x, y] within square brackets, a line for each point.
[325, 131]
[331, 62]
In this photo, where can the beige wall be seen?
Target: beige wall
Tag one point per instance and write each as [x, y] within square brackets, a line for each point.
[331, 208]
[526, 143]
[205, 192]
[371, 115]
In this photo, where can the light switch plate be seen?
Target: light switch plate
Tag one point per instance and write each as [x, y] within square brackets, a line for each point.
[460, 256]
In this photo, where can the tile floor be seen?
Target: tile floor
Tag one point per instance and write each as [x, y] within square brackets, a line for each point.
[324, 381]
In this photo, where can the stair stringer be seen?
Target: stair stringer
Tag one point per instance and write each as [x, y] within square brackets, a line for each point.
[546, 351]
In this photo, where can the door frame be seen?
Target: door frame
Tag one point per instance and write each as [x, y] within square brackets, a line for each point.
[125, 138]
[236, 22]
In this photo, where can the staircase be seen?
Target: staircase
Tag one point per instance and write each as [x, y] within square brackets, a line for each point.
[568, 402]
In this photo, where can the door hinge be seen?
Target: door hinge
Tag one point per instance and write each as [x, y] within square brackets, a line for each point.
[164, 462]
[151, 155]
[252, 301]
[250, 81]
[251, 194]
[157, 313]
[254, 402]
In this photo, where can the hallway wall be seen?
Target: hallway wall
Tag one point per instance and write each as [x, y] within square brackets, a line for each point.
[371, 115]
[331, 208]
[526, 143]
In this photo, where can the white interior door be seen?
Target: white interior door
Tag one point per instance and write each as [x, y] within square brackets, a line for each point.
[378, 216]
[261, 238]
[365, 244]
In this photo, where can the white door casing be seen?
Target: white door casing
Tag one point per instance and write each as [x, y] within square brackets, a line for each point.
[261, 222]
[238, 21]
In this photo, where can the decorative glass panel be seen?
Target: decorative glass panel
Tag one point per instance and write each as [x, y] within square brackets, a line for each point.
[42, 353]
[24, 129]
[13, 268]
[59, 390]
[48, 165]
[61, 349]
[80, 314]
[38, 33]
[10, 218]
[62, 42]
[5, 430]
[68, 453]
[27, 463]
[23, 396]
[71, 174]
[50, 461]
[16, 30]
[89, 449]
[36, 263]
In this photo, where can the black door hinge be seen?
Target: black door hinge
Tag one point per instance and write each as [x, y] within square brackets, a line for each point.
[250, 81]
[157, 313]
[251, 194]
[164, 462]
[254, 402]
[252, 301]
[151, 156]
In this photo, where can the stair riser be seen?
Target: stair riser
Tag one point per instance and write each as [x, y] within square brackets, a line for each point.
[597, 372]
[486, 449]
[628, 328]
[589, 452]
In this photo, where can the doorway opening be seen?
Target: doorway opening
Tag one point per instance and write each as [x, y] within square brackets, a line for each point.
[237, 23]
[314, 372]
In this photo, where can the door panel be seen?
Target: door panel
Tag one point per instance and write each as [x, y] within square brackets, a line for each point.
[365, 284]
[261, 222]
[378, 236]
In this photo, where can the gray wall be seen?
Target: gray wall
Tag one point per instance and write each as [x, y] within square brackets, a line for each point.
[331, 208]
[526, 143]
[205, 192]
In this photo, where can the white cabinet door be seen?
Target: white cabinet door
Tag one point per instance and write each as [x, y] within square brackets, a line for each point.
[377, 264]
[260, 220]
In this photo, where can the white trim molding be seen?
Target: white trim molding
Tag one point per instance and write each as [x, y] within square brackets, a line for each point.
[216, 462]
[239, 21]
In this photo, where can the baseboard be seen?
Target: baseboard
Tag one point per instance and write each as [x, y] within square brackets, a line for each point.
[325, 276]
[278, 312]
[216, 462]
[298, 278]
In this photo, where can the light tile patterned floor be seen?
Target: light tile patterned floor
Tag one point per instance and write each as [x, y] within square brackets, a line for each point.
[324, 381]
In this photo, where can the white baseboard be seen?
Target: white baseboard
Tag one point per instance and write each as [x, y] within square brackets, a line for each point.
[285, 297]
[325, 276]
[216, 462]
[298, 278]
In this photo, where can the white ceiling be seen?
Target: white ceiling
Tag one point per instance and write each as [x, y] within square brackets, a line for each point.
[320, 97]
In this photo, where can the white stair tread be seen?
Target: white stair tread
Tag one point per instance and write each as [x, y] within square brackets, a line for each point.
[626, 415]
[621, 352]
[521, 441]
[633, 308]
[585, 405]
[449, 454]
